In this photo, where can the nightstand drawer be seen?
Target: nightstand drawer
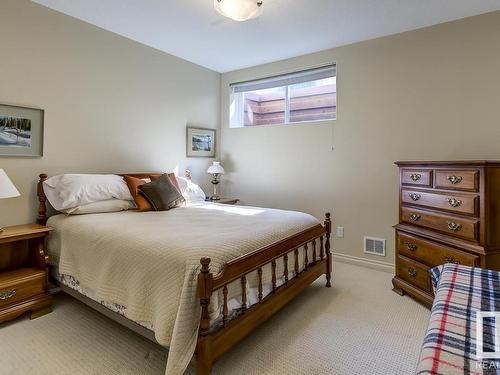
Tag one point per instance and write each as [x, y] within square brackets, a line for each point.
[21, 284]
[431, 253]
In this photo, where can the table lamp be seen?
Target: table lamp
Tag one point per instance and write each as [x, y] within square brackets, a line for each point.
[215, 170]
[7, 188]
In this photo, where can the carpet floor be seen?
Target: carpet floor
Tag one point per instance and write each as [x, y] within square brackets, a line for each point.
[359, 326]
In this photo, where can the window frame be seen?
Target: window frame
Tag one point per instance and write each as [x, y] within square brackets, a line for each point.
[239, 103]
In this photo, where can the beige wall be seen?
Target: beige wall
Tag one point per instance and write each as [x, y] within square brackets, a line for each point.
[115, 105]
[433, 93]
[111, 105]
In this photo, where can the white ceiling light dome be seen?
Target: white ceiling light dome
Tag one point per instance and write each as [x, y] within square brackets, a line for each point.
[239, 10]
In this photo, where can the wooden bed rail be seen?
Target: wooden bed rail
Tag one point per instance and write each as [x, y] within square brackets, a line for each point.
[214, 341]
[257, 259]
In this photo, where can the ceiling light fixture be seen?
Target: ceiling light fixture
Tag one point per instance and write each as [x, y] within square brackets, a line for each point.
[239, 10]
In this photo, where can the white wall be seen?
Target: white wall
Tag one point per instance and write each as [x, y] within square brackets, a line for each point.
[427, 94]
[111, 104]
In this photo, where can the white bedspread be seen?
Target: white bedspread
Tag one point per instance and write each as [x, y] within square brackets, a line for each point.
[148, 261]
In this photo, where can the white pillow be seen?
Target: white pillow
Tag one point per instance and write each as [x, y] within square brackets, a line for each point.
[190, 191]
[51, 192]
[111, 205]
[73, 190]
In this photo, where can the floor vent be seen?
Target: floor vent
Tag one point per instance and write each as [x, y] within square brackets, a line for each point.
[375, 246]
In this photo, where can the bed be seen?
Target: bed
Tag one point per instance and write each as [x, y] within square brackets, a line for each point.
[450, 343]
[201, 285]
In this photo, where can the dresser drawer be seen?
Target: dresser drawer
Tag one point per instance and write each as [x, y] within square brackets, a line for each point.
[461, 204]
[418, 177]
[21, 284]
[431, 253]
[413, 272]
[453, 226]
[466, 180]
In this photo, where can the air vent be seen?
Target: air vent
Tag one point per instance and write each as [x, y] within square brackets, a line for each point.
[375, 246]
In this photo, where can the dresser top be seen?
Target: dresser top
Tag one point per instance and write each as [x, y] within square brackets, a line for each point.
[476, 163]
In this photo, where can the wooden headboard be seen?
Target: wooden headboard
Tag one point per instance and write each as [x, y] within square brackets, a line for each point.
[42, 198]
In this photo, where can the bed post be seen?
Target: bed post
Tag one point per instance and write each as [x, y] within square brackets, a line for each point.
[328, 227]
[42, 207]
[204, 349]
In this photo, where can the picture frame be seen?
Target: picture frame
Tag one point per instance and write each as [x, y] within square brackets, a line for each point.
[21, 131]
[200, 142]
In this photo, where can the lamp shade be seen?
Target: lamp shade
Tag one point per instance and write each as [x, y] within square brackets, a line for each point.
[215, 168]
[239, 10]
[7, 188]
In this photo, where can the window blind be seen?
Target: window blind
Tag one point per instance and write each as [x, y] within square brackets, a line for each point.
[285, 79]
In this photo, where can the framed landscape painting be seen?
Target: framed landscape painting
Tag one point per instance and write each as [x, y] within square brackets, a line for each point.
[200, 142]
[21, 131]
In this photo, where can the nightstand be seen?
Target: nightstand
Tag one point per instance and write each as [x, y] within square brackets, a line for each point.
[225, 200]
[23, 272]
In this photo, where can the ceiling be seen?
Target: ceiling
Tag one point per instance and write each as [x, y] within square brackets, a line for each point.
[193, 30]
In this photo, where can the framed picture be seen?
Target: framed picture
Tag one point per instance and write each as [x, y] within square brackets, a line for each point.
[21, 131]
[200, 142]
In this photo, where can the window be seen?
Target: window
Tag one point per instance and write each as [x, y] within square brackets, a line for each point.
[305, 96]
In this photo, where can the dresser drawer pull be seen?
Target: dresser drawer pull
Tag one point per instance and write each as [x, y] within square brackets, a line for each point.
[415, 176]
[412, 272]
[7, 294]
[455, 179]
[415, 217]
[451, 260]
[455, 227]
[414, 196]
[453, 202]
[411, 246]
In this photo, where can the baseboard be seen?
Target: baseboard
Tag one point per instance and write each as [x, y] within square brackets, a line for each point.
[369, 263]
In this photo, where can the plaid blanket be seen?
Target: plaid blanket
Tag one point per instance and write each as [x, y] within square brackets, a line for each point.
[450, 343]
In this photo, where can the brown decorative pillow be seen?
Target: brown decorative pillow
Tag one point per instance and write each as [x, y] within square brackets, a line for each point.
[133, 184]
[171, 176]
[161, 194]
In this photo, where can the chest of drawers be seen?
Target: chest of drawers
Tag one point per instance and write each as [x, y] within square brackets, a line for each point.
[449, 212]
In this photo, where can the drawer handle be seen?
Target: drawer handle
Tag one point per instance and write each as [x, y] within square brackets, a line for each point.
[411, 246]
[7, 294]
[455, 179]
[453, 202]
[415, 176]
[451, 260]
[415, 217]
[414, 196]
[455, 227]
[412, 272]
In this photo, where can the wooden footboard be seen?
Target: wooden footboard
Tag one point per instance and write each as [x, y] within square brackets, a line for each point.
[213, 342]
